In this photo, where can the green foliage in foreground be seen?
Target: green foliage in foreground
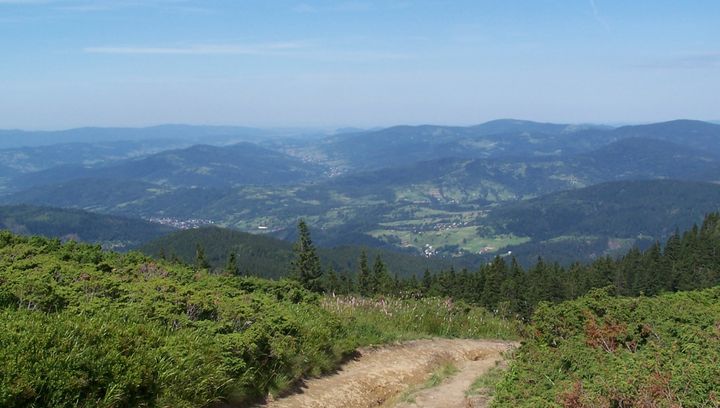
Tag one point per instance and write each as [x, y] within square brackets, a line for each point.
[83, 327]
[606, 351]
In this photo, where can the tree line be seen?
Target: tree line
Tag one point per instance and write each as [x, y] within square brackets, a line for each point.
[686, 261]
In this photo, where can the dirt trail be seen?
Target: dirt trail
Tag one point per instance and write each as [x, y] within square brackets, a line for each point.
[378, 375]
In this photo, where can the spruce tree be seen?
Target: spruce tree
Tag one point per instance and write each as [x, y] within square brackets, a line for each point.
[231, 267]
[306, 265]
[332, 284]
[380, 279]
[200, 261]
[363, 276]
[427, 281]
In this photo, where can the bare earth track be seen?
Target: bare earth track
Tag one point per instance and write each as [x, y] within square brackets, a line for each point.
[378, 375]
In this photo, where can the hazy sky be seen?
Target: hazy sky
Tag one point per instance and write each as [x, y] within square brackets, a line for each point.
[67, 63]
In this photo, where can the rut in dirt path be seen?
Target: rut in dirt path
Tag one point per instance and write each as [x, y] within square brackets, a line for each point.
[378, 375]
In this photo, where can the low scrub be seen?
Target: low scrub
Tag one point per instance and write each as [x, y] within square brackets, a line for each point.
[607, 351]
[80, 327]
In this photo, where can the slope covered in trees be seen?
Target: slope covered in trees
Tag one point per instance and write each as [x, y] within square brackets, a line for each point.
[687, 261]
[199, 165]
[112, 232]
[604, 219]
[264, 256]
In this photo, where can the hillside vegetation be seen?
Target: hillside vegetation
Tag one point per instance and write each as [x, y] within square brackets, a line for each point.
[112, 232]
[607, 351]
[80, 327]
[269, 257]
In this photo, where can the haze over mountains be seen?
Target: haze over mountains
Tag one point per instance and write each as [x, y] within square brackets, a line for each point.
[436, 191]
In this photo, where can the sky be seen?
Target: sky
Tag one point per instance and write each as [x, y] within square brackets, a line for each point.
[277, 63]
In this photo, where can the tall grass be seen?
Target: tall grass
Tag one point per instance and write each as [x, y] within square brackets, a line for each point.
[382, 320]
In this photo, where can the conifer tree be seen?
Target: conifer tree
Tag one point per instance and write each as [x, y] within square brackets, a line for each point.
[494, 276]
[200, 261]
[332, 284]
[231, 267]
[306, 265]
[380, 279]
[363, 276]
[427, 281]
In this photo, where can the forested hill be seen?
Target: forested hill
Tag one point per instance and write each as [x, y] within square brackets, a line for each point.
[112, 232]
[264, 256]
[404, 145]
[199, 165]
[20, 138]
[625, 209]
[688, 261]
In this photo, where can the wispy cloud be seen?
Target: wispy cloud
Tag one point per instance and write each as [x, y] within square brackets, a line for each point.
[25, 2]
[290, 49]
[345, 6]
[709, 60]
[278, 48]
[598, 17]
[109, 5]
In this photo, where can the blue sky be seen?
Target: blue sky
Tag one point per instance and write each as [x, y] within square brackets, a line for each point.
[68, 63]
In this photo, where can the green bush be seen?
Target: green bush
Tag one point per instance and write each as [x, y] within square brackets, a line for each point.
[81, 327]
[607, 351]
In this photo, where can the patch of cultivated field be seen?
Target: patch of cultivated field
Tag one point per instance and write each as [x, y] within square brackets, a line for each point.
[465, 238]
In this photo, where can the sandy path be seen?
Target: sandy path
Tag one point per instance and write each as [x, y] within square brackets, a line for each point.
[378, 375]
[451, 392]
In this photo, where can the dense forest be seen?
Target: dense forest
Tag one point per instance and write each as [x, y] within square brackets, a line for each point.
[687, 261]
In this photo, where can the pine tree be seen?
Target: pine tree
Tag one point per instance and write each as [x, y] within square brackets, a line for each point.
[363, 276]
[427, 282]
[494, 276]
[231, 267]
[332, 285]
[306, 265]
[380, 279]
[200, 261]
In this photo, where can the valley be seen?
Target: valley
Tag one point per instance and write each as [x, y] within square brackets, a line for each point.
[443, 200]
[359, 204]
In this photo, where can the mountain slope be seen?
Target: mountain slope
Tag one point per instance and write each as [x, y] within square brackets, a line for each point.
[110, 231]
[36, 158]
[268, 257]
[605, 219]
[699, 135]
[621, 209]
[196, 134]
[209, 166]
[456, 180]
[389, 207]
[404, 145]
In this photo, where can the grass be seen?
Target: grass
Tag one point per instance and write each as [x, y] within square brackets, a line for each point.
[436, 378]
[466, 238]
[378, 321]
[487, 383]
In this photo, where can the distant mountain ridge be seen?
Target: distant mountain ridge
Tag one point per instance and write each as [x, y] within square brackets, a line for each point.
[411, 188]
[23, 138]
[198, 165]
[402, 145]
